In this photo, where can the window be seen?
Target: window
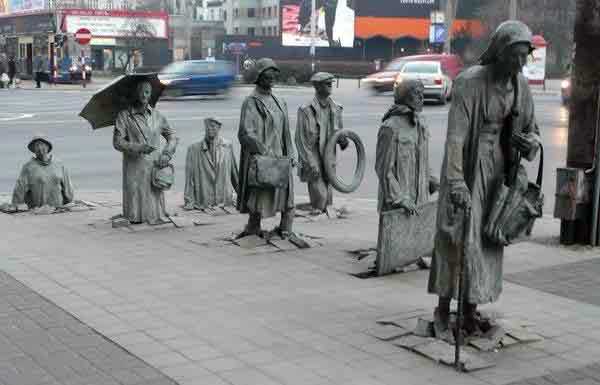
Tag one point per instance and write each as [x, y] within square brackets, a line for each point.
[421, 67]
[269, 11]
[274, 31]
[270, 30]
[236, 12]
[264, 31]
[212, 14]
[251, 12]
[224, 15]
[236, 30]
[251, 31]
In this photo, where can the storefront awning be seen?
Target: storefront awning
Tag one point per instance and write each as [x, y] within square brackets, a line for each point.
[398, 27]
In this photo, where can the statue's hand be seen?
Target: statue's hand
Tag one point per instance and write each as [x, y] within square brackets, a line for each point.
[343, 142]
[164, 160]
[315, 173]
[460, 196]
[524, 142]
[409, 207]
[293, 162]
[147, 149]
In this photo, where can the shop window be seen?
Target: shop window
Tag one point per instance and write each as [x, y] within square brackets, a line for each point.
[251, 31]
[236, 31]
[264, 31]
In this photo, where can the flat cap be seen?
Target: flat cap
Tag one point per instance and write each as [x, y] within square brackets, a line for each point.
[212, 119]
[322, 77]
[41, 138]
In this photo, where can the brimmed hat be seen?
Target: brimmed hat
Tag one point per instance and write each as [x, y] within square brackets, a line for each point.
[261, 66]
[212, 119]
[40, 138]
[508, 33]
[322, 77]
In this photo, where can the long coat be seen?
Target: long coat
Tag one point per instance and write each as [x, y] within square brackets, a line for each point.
[256, 128]
[43, 183]
[311, 139]
[209, 183]
[141, 201]
[468, 156]
[402, 159]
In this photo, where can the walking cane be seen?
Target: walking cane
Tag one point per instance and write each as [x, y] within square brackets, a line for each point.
[461, 277]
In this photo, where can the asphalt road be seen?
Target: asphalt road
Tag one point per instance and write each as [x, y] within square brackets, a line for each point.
[96, 166]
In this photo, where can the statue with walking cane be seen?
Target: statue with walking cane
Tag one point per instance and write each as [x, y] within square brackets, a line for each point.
[491, 127]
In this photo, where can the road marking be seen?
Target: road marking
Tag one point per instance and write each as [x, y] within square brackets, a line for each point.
[6, 116]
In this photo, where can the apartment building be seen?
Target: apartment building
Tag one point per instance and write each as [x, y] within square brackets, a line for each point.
[252, 17]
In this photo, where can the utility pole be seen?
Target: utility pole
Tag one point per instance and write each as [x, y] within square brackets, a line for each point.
[450, 15]
[583, 149]
[313, 34]
[512, 11]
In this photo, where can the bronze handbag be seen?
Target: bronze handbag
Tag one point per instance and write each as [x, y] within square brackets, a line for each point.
[516, 208]
[163, 178]
[269, 172]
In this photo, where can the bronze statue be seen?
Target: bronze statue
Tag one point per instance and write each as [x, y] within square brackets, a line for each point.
[264, 136]
[480, 149]
[317, 122]
[43, 180]
[402, 156]
[137, 133]
[211, 173]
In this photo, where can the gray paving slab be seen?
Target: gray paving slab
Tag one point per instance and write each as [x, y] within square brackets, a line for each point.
[41, 344]
[586, 375]
[578, 281]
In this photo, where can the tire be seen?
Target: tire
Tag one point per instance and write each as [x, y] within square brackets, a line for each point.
[330, 161]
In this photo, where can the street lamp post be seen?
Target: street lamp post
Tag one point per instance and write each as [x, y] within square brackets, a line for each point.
[313, 34]
[512, 12]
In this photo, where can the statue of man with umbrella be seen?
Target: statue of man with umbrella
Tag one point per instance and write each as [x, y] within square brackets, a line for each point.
[128, 104]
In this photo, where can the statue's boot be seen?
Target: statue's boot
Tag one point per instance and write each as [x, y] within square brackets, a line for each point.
[441, 321]
[471, 320]
[253, 226]
[284, 230]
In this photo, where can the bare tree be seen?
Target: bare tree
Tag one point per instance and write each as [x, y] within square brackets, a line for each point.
[139, 32]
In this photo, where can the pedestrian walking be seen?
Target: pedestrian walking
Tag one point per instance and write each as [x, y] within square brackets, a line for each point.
[12, 70]
[38, 68]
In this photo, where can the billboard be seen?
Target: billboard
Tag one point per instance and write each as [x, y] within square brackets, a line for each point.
[116, 23]
[335, 23]
[4, 7]
[20, 6]
[396, 8]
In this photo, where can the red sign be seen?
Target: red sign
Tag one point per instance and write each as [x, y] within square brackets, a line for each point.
[83, 36]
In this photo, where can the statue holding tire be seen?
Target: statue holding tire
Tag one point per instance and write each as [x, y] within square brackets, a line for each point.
[319, 130]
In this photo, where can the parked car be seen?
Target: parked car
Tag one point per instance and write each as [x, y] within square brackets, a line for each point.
[565, 90]
[437, 83]
[384, 81]
[197, 77]
[71, 70]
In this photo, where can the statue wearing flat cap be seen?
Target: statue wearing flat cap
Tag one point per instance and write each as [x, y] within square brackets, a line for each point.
[317, 121]
[211, 173]
[265, 139]
[43, 181]
[402, 156]
[491, 125]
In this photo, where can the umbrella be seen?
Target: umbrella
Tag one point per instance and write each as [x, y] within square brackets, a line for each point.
[105, 104]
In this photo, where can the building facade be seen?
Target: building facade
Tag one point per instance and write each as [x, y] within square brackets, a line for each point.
[252, 17]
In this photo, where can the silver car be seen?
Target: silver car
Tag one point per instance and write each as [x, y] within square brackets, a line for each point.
[437, 83]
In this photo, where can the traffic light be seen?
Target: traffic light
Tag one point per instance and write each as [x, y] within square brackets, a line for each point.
[60, 40]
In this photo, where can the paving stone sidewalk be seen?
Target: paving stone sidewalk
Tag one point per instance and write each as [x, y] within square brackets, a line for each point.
[203, 312]
[41, 344]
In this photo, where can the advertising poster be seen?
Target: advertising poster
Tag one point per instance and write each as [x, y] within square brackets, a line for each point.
[335, 23]
[117, 23]
[4, 7]
[19, 6]
[535, 69]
